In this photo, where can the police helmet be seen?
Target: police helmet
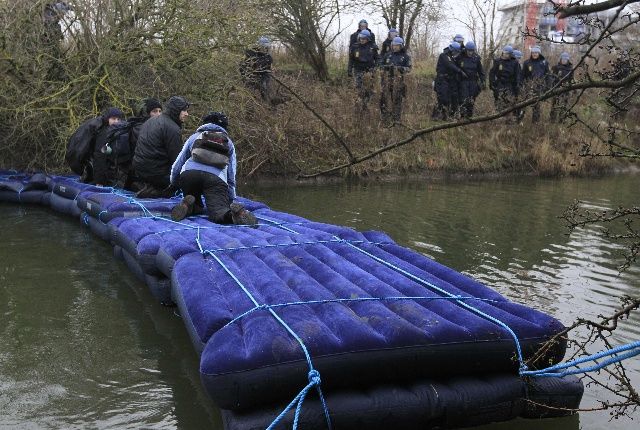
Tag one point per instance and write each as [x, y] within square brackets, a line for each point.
[470, 46]
[397, 41]
[516, 54]
[393, 31]
[264, 42]
[535, 49]
[458, 38]
[364, 34]
[508, 49]
[454, 46]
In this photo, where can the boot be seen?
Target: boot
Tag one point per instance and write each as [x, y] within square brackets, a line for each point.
[183, 209]
[241, 216]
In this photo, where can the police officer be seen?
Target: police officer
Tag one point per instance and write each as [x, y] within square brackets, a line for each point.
[446, 82]
[395, 65]
[363, 58]
[386, 45]
[562, 75]
[473, 80]
[362, 25]
[503, 79]
[256, 67]
[535, 75]
[517, 55]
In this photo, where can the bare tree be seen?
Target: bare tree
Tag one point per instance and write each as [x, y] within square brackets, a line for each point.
[306, 27]
[404, 15]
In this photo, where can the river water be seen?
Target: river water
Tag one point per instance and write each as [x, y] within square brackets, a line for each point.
[84, 345]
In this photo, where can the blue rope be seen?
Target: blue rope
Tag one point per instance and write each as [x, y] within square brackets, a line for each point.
[359, 299]
[314, 376]
[522, 365]
[280, 245]
[632, 348]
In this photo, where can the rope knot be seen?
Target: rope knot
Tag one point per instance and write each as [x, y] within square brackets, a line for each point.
[314, 377]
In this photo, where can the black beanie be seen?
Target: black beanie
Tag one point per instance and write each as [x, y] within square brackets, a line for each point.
[151, 104]
[218, 118]
[113, 112]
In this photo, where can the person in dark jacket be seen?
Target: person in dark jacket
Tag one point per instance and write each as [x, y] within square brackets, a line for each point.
[504, 80]
[562, 75]
[386, 45]
[103, 174]
[159, 144]
[517, 55]
[363, 58]
[473, 80]
[206, 166]
[122, 138]
[535, 75]
[86, 141]
[395, 65]
[256, 68]
[362, 25]
[446, 83]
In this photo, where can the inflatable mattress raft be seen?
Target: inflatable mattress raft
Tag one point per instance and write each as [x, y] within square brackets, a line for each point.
[371, 333]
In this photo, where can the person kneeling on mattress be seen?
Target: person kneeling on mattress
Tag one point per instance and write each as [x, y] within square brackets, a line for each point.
[206, 166]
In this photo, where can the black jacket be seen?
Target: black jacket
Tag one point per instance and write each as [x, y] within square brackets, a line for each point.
[446, 68]
[81, 144]
[363, 56]
[559, 71]
[160, 141]
[400, 61]
[535, 69]
[472, 67]
[386, 47]
[504, 75]
[256, 61]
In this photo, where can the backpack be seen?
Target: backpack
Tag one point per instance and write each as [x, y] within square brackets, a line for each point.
[80, 145]
[212, 148]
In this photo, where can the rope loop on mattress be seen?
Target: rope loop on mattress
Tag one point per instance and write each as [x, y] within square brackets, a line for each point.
[314, 375]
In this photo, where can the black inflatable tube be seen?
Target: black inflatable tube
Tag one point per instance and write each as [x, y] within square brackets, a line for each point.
[424, 404]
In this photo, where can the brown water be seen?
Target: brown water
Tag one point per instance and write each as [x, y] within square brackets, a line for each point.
[84, 345]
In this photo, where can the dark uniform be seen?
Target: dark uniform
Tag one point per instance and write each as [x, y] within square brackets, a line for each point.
[394, 67]
[535, 75]
[256, 70]
[446, 85]
[471, 84]
[354, 36]
[504, 81]
[363, 58]
[561, 72]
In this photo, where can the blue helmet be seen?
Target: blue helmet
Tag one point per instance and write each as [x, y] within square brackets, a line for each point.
[508, 49]
[470, 46]
[397, 41]
[363, 21]
[264, 41]
[565, 56]
[535, 49]
[393, 31]
[458, 38]
[454, 46]
[364, 34]
[516, 54]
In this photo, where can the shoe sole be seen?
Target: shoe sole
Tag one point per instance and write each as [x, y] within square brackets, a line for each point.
[180, 212]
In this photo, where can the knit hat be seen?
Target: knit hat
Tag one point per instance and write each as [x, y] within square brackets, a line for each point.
[178, 103]
[113, 112]
[150, 104]
[363, 21]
